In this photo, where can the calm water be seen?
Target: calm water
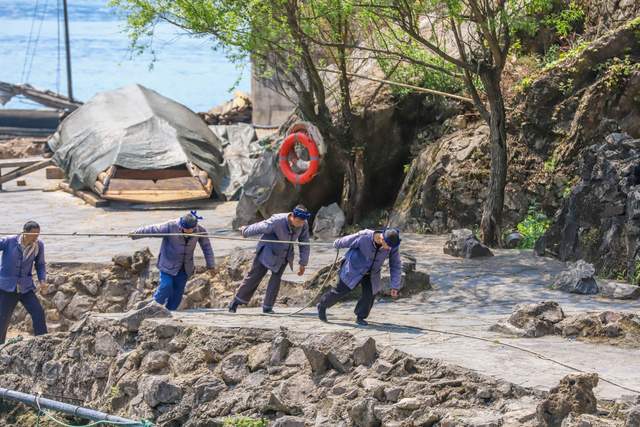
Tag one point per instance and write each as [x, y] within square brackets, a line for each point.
[186, 69]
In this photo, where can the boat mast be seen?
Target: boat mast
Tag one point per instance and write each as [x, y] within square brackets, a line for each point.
[68, 49]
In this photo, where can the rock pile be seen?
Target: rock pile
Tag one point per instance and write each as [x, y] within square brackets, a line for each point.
[547, 318]
[237, 110]
[73, 291]
[173, 374]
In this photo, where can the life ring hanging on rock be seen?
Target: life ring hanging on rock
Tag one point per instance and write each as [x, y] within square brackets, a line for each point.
[314, 158]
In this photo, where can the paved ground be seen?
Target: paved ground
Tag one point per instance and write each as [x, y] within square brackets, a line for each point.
[468, 295]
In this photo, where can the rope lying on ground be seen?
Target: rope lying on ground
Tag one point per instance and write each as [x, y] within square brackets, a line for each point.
[209, 235]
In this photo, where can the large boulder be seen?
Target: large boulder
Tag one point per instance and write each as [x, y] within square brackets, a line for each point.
[532, 320]
[328, 222]
[463, 243]
[574, 395]
[578, 279]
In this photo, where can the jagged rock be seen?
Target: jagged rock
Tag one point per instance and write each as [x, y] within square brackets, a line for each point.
[158, 390]
[362, 413]
[79, 306]
[532, 320]
[374, 387]
[238, 262]
[258, 356]
[155, 361]
[317, 359]
[289, 421]
[365, 352]
[60, 301]
[279, 349]
[233, 368]
[573, 395]
[296, 358]
[408, 404]
[134, 318]
[412, 281]
[577, 280]
[208, 388]
[106, 345]
[618, 290]
[123, 261]
[328, 222]
[464, 244]
[393, 394]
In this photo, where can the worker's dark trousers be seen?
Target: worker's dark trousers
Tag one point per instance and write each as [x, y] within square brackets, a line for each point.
[8, 302]
[365, 303]
[253, 279]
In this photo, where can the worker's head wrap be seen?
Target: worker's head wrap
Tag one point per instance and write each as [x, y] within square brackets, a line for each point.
[301, 212]
[190, 220]
[391, 237]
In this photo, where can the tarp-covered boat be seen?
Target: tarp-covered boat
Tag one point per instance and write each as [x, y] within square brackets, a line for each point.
[133, 144]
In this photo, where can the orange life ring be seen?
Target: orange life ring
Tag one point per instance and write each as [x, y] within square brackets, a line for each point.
[314, 157]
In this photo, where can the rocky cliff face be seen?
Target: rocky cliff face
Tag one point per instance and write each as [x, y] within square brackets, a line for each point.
[557, 114]
[600, 220]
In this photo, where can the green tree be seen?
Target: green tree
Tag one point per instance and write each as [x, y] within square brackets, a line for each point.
[289, 41]
[475, 36]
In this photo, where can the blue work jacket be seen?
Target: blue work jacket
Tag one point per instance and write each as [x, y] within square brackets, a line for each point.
[364, 257]
[275, 255]
[16, 270]
[176, 252]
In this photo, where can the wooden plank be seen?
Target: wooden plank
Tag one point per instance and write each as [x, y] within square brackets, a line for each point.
[92, 199]
[18, 163]
[99, 187]
[54, 172]
[151, 174]
[157, 197]
[87, 196]
[173, 184]
[25, 170]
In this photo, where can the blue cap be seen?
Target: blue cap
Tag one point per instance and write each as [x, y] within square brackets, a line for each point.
[301, 213]
[190, 220]
[392, 237]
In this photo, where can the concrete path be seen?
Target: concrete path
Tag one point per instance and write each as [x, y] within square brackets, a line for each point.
[468, 295]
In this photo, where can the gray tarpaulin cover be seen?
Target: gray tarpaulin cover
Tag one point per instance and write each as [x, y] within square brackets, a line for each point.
[241, 151]
[136, 128]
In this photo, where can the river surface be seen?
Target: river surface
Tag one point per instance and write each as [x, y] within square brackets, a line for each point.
[185, 69]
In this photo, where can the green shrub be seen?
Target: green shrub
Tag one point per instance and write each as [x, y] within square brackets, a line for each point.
[533, 227]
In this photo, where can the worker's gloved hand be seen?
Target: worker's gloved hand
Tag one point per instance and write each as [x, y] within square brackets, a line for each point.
[394, 293]
[301, 270]
[212, 272]
[242, 230]
[132, 236]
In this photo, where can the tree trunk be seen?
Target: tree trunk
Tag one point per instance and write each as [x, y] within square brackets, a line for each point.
[492, 213]
[352, 197]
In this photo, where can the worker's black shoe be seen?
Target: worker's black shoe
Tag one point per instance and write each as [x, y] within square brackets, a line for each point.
[362, 322]
[268, 310]
[322, 313]
[233, 306]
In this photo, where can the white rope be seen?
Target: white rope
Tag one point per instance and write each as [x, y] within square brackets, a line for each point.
[209, 235]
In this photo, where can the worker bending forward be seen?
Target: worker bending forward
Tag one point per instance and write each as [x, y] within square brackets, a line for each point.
[362, 264]
[274, 256]
[175, 261]
[19, 254]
